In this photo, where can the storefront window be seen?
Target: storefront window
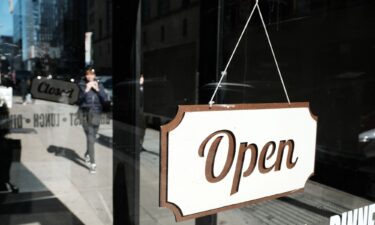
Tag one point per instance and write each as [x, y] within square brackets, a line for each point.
[323, 49]
[72, 94]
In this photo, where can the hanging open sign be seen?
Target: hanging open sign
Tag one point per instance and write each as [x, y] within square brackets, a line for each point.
[227, 156]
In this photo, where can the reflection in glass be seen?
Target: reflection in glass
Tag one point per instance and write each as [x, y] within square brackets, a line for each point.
[44, 176]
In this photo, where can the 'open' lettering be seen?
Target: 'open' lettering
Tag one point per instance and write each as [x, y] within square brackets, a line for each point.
[257, 159]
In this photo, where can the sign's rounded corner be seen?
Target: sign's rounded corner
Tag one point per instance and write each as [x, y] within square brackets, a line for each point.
[171, 125]
[313, 116]
[177, 212]
[308, 106]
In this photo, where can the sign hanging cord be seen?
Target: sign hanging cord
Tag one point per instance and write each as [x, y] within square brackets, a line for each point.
[273, 53]
[223, 73]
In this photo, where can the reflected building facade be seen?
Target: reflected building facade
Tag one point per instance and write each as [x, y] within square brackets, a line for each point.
[17, 24]
[99, 22]
[170, 31]
[6, 52]
[49, 40]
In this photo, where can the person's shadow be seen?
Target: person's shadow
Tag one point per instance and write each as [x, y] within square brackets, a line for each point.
[68, 154]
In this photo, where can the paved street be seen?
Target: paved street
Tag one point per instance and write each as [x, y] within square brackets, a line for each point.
[57, 188]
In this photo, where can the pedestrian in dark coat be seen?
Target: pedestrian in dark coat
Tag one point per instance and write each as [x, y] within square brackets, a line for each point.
[91, 100]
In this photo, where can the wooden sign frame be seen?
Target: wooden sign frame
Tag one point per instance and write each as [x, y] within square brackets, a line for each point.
[165, 129]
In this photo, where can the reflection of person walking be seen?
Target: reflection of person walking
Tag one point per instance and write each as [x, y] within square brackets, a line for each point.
[6, 153]
[90, 102]
[23, 87]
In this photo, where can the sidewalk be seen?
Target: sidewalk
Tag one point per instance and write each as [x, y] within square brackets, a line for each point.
[60, 172]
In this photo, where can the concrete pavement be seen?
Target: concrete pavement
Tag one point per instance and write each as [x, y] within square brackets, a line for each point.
[62, 170]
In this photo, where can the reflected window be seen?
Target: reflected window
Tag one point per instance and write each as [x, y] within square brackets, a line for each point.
[145, 40]
[146, 9]
[162, 33]
[185, 3]
[100, 28]
[163, 7]
[91, 3]
[92, 18]
[184, 27]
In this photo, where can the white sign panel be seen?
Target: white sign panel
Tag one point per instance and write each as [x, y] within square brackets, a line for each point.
[228, 156]
[6, 95]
